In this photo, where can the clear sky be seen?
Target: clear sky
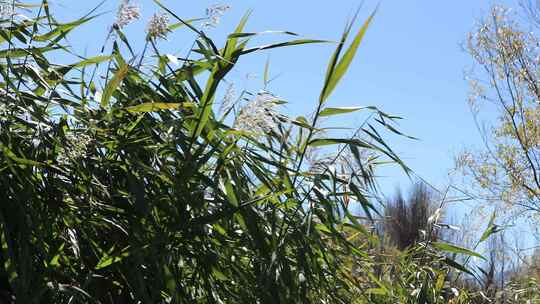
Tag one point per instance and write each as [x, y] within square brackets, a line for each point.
[410, 64]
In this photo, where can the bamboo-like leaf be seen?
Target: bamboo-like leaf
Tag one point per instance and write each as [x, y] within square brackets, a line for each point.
[113, 85]
[23, 161]
[178, 25]
[490, 229]
[323, 228]
[107, 260]
[156, 106]
[90, 61]
[62, 29]
[456, 249]
[218, 72]
[231, 42]
[229, 191]
[343, 64]
[320, 142]
[283, 44]
[19, 52]
[450, 262]
[243, 35]
[336, 111]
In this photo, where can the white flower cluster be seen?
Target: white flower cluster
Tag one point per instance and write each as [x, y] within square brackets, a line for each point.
[127, 13]
[5, 107]
[343, 164]
[8, 105]
[158, 26]
[6, 10]
[228, 99]
[214, 14]
[259, 115]
[76, 148]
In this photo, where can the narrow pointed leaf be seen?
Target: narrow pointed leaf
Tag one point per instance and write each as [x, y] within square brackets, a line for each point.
[345, 61]
[283, 44]
[90, 61]
[61, 29]
[337, 111]
[491, 229]
[113, 85]
[456, 249]
[242, 35]
[155, 106]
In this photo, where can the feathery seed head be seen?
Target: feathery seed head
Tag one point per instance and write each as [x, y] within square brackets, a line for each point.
[214, 14]
[228, 99]
[75, 149]
[127, 13]
[6, 10]
[158, 26]
[259, 115]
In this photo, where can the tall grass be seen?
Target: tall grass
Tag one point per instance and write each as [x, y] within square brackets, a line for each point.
[133, 189]
[124, 182]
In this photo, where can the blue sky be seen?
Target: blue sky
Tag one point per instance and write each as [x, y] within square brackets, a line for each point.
[410, 64]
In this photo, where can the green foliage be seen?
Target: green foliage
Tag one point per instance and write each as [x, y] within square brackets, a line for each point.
[134, 191]
[420, 274]
[135, 187]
